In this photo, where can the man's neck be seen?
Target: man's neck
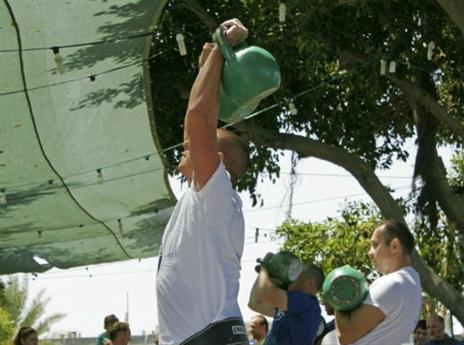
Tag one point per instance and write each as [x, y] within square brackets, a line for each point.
[399, 264]
[443, 337]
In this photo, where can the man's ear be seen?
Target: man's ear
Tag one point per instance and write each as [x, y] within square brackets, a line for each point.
[221, 156]
[310, 285]
[395, 245]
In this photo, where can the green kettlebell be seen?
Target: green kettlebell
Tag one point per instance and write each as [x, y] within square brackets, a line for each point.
[249, 75]
[283, 268]
[345, 288]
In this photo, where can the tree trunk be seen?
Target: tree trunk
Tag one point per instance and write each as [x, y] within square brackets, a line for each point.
[427, 101]
[364, 174]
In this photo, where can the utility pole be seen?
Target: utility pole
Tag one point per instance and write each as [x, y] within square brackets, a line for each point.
[126, 319]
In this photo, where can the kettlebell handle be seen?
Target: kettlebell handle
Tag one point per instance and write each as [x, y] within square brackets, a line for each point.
[225, 47]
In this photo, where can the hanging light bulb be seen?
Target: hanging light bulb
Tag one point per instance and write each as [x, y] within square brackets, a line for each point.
[392, 67]
[383, 67]
[3, 199]
[100, 179]
[282, 12]
[430, 47]
[58, 60]
[291, 107]
[181, 44]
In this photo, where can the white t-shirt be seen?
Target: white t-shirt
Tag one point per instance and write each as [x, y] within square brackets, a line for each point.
[198, 278]
[330, 338]
[398, 295]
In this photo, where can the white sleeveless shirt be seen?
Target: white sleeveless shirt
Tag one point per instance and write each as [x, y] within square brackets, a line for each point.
[198, 278]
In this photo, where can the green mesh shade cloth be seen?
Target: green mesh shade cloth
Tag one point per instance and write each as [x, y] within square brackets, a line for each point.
[81, 177]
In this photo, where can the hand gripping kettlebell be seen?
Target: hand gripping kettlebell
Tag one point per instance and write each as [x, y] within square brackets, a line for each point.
[345, 288]
[249, 74]
[283, 268]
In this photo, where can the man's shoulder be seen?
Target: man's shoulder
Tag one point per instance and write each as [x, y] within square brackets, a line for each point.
[303, 302]
[447, 341]
[102, 335]
[401, 277]
[101, 338]
[302, 296]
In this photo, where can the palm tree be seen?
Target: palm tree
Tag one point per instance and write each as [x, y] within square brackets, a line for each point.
[22, 313]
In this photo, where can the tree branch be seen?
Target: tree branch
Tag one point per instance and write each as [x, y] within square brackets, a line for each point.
[427, 101]
[201, 13]
[455, 10]
[365, 175]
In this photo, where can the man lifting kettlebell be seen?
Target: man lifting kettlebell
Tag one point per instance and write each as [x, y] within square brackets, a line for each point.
[390, 311]
[291, 300]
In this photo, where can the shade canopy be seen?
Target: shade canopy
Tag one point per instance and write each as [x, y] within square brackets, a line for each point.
[81, 175]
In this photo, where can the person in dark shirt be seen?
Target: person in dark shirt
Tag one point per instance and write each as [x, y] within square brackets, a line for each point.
[296, 312]
[436, 332]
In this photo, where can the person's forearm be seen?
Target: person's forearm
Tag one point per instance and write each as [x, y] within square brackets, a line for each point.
[343, 327]
[204, 96]
[254, 301]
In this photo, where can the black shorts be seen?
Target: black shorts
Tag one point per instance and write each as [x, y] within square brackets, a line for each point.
[226, 332]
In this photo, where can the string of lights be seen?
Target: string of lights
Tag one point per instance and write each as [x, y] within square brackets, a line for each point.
[287, 101]
[91, 274]
[283, 102]
[83, 44]
[91, 77]
[120, 220]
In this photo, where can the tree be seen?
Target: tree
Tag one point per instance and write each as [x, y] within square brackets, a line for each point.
[23, 314]
[348, 113]
[336, 241]
[345, 240]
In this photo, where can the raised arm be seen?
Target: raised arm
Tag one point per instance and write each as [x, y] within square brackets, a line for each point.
[201, 118]
[265, 297]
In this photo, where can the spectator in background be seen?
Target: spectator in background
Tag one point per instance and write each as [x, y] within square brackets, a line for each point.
[420, 333]
[120, 334]
[258, 329]
[436, 332]
[108, 322]
[26, 336]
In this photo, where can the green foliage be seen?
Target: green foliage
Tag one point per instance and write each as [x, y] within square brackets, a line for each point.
[334, 242]
[329, 53]
[457, 172]
[441, 250]
[346, 240]
[6, 327]
[24, 314]
[332, 48]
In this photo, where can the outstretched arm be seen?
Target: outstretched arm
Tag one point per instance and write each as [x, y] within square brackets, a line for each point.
[201, 118]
